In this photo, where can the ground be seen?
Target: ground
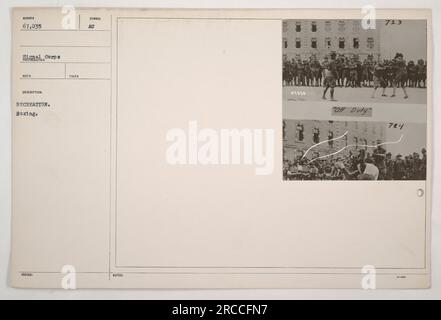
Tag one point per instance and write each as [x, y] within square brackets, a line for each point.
[416, 95]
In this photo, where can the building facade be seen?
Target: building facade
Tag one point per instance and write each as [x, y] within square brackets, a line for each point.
[303, 38]
[299, 135]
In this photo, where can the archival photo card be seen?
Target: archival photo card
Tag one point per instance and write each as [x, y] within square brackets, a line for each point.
[160, 148]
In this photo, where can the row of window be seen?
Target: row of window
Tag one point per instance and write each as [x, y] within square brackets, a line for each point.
[328, 43]
[316, 132]
[341, 26]
[300, 136]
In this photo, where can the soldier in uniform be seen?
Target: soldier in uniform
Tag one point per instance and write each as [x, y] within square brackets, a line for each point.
[389, 76]
[292, 72]
[423, 165]
[330, 74]
[286, 72]
[421, 73]
[389, 167]
[346, 72]
[399, 168]
[400, 78]
[370, 70]
[315, 72]
[308, 75]
[411, 74]
[300, 73]
[379, 78]
[379, 156]
[359, 71]
[365, 73]
[340, 75]
[353, 72]
[424, 74]
[417, 164]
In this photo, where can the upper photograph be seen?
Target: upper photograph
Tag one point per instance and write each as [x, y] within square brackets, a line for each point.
[351, 61]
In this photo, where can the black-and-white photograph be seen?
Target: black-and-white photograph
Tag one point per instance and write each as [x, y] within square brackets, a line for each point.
[353, 150]
[347, 61]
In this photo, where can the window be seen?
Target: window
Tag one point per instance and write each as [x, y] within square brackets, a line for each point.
[356, 43]
[298, 43]
[300, 132]
[356, 25]
[284, 122]
[316, 135]
[285, 43]
[285, 26]
[314, 43]
[298, 26]
[328, 43]
[328, 26]
[370, 43]
[341, 43]
[341, 26]
[314, 26]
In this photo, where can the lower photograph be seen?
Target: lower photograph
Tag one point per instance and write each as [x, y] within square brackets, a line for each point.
[353, 150]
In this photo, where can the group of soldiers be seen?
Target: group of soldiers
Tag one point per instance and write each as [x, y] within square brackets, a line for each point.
[378, 165]
[351, 72]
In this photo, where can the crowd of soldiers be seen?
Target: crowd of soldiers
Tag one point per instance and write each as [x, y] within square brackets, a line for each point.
[358, 165]
[351, 72]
